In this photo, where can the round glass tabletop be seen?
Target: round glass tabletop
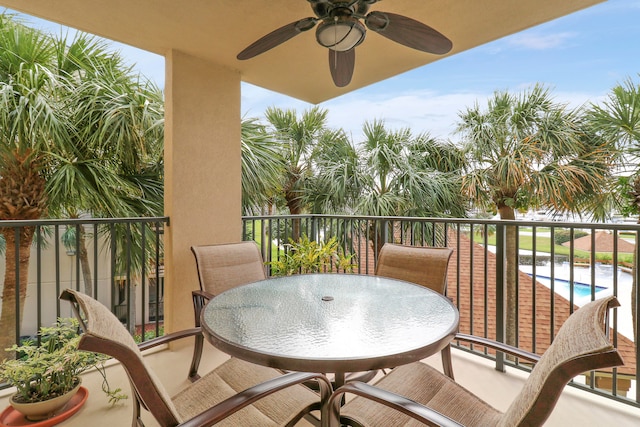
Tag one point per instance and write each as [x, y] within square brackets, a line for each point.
[330, 322]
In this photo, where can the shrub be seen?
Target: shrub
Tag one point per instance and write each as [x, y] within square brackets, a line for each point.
[561, 236]
[307, 256]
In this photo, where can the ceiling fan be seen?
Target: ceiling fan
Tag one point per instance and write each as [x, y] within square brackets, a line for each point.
[340, 30]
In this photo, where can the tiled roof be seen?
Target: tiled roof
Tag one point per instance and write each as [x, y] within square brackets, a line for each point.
[604, 242]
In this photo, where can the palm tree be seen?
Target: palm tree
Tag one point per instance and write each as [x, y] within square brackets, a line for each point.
[391, 173]
[60, 151]
[262, 166]
[335, 184]
[408, 176]
[527, 151]
[618, 118]
[298, 138]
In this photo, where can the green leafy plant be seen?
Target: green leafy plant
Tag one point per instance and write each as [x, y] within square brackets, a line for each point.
[309, 256]
[53, 368]
[149, 335]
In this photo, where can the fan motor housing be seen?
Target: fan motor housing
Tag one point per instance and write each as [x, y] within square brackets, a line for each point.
[342, 33]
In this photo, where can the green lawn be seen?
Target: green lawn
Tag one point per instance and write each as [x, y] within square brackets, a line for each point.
[544, 243]
[256, 229]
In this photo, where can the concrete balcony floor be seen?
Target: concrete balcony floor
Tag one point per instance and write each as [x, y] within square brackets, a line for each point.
[575, 407]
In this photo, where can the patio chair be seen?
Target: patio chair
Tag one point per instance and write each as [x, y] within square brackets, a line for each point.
[221, 267]
[426, 266]
[419, 393]
[235, 393]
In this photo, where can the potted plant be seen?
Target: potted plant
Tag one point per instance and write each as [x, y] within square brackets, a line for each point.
[47, 375]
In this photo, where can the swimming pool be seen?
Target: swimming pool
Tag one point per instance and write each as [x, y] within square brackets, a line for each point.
[562, 287]
[603, 277]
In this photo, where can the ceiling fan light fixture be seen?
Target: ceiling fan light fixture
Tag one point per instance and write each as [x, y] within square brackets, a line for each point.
[341, 34]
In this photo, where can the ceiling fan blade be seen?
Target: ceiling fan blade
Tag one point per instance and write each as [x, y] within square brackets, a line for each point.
[408, 32]
[276, 37]
[341, 65]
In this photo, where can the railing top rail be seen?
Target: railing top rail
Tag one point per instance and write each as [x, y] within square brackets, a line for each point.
[518, 222]
[36, 222]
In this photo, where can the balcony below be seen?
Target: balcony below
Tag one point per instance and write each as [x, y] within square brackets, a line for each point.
[576, 407]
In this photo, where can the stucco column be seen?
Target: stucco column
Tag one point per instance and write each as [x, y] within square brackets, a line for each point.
[202, 172]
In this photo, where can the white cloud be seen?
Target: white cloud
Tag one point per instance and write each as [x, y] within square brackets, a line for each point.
[540, 41]
[421, 111]
[255, 100]
[579, 99]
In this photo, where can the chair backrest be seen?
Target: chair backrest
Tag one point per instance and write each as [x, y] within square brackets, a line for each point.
[103, 333]
[426, 266]
[225, 266]
[582, 344]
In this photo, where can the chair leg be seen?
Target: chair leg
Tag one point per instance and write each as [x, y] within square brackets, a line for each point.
[447, 367]
[195, 361]
[137, 421]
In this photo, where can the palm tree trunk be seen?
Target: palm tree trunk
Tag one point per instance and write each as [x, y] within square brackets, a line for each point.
[295, 229]
[511, 252]
[294, 201]
[84, 262]
[377, 235]
[295, 208]
[9, 322]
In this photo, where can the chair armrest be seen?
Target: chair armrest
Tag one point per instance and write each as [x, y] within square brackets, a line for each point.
[204, 294]
[400, 403]
[234, 403]
[168, 338]
[200, 299]
[505, 348]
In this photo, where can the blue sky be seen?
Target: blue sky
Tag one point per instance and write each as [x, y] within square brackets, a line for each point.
[580, 57]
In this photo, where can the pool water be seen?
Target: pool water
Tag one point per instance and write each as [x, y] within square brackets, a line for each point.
[603, 278]
[563, 287]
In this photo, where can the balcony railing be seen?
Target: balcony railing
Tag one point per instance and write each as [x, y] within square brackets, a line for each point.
[552, 280]
[120, 262]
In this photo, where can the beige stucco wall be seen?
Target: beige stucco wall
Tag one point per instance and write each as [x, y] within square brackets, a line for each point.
[202, 171]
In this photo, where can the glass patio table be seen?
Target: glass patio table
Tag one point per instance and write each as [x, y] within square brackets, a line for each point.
[330, 323]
